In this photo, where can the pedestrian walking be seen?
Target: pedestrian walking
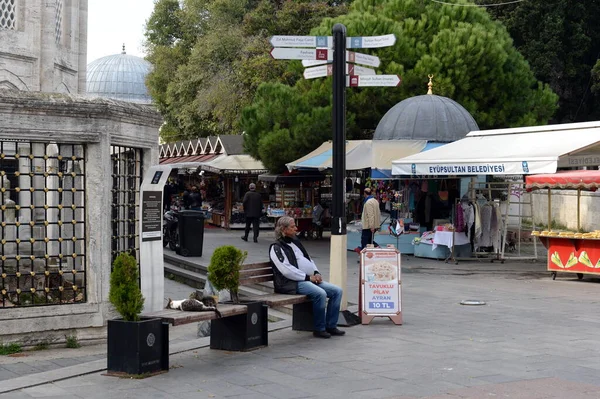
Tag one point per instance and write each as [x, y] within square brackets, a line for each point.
[253, 207]
[371, 219]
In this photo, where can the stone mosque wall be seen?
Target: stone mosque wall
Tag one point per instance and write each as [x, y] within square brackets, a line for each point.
[43, 45]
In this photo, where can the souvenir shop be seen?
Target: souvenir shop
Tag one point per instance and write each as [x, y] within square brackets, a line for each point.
[225, 181]
[298, 194]
[488, 216]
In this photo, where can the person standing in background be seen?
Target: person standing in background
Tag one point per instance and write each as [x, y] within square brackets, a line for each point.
[253, 210]
[371, 219]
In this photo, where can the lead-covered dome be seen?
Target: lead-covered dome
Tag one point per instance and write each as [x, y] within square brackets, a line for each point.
[120, 77]
[428, 117]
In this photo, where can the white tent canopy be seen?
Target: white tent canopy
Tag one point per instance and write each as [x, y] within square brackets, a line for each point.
[234, 164]
[360, 154]
[529, 150]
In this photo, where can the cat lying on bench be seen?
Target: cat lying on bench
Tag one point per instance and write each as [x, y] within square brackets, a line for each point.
[194, 304]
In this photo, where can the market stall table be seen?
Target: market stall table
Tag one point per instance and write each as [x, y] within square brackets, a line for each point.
[569, 251]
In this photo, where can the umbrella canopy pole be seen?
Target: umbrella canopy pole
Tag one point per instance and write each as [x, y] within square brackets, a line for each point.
[578, 209]
[549, 210]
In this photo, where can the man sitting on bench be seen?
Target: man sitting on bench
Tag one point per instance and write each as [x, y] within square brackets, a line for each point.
[294, 272]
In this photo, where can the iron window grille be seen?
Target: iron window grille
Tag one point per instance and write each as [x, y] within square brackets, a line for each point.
[42, 228]
[126, 182]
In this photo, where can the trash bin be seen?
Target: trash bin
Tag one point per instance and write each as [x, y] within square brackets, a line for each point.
[191, 233]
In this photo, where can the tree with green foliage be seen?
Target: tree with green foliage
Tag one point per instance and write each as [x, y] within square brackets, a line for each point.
[561, 41]
[125, 293]
[224, 269]
[471, 56]
[209, 58]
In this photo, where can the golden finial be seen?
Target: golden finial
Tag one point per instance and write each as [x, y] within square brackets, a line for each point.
[430, 84]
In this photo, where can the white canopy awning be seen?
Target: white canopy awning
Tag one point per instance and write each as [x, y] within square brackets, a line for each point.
[234, 164]
[360, 154]
[529, 150]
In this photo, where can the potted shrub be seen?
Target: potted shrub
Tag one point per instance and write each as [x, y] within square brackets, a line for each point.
[224, 270]
[241, 332]
[136, 345]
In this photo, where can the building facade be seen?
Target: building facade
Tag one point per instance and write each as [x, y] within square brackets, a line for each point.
[43, 45]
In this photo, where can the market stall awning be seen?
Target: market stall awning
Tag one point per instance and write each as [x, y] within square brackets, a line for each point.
[198, 159]
[360, 154]
[292, 177]
[518, 151]
[377, 173]
[572, 179]
[235, 164]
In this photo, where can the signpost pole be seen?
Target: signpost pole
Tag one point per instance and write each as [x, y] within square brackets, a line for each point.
[338, 254]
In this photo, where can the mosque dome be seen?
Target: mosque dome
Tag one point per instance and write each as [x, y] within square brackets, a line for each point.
[120, 77]
[428, 117]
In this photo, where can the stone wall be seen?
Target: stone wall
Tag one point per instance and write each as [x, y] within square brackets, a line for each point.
[46, 50]
[564, 209]
[96, 124]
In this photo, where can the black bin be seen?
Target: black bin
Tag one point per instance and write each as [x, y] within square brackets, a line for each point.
[191, 233]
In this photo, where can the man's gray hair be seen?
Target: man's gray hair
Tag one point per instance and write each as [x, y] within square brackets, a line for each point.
[282, 223]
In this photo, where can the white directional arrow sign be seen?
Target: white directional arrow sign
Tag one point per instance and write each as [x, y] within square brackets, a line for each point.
[309, 63]
[363, 59]
[372, 80]
[371, 41]
[327, 41]
[302, 41]
[327, 70]
[351, 56]
[282, 53]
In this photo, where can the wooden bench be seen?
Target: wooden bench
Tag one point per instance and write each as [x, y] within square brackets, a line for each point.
[234, 317]
[302, 314]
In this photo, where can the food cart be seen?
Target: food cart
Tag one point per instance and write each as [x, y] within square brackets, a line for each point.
[568, 251]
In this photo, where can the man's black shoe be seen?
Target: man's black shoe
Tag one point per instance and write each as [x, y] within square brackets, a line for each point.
[335, 331]
[321, 334]
[256, 240]
[245, 238]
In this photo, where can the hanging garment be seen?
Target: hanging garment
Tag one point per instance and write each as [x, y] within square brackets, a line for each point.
[496, 227]
[459, 223]
[477, 211]
[486, 224]
[469, 218]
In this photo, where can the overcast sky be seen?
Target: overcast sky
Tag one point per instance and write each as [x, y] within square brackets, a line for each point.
[114, 22]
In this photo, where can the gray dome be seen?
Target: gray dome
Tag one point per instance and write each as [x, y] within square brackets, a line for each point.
[120, 77]
[428, 117]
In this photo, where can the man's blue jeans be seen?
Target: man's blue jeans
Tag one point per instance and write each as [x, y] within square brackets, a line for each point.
[319, 293]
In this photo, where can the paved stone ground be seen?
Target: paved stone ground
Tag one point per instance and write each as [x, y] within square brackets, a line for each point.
[535, 338]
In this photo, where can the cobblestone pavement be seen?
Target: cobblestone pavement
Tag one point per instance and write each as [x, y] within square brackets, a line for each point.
[535, 338]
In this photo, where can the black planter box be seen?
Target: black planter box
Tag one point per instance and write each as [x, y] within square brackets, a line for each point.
[138, 347]
[242, 332]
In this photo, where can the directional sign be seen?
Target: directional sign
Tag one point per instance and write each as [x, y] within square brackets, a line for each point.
[302, 41]
[327, 70]
[358, 70]
[318, 71]
[371, 41]
[281, 53]
[327, 41]
[363, 59]
[309, 63]
[372, 80]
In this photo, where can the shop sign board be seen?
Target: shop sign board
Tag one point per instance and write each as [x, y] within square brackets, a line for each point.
[572, 161]
[474, 168]
[381, 284]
